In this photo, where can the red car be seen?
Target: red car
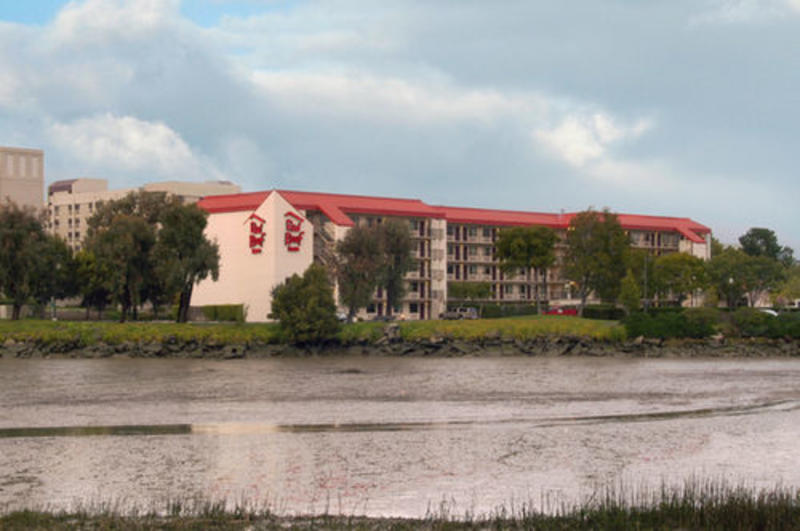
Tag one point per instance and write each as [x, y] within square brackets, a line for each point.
[562, 311]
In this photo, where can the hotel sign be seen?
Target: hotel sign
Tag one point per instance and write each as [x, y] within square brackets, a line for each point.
[257, 234]
[293, 237]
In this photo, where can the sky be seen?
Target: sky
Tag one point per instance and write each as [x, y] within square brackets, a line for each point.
[686, 108]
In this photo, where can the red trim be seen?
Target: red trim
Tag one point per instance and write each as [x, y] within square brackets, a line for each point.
[337, 207]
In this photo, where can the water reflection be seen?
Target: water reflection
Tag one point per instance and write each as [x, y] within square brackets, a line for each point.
[387, 436]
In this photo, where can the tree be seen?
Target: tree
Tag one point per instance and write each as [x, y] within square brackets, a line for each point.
[789, 290]
[764, 242]
[641, 263]
[725, 275]
[93, 279]
[528, 248]
[305, 308]
[21, 236]
[149, 206]
[54, 272]
[357, 268]
[629, 294]
[597, 251]
[469, 291]
[123, 248]
[761, 275]
[182, 254]
[678, 274]
[396, 260]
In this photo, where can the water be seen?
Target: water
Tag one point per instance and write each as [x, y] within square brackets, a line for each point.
[388, 436]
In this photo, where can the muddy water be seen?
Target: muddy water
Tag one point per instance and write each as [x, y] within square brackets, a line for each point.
[388, 436]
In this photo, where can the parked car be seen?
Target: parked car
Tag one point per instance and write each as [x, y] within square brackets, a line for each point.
[460, 313]
[556, 310]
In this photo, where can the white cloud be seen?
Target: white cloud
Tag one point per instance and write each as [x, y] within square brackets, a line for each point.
[396, 99]
[92, 20]
[742, 11]
[130, 145]
[581, 138]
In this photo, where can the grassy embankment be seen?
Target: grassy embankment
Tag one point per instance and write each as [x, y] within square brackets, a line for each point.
[712, 505]
[86, 333]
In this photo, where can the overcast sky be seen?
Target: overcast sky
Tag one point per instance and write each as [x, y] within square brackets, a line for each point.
[686, 108]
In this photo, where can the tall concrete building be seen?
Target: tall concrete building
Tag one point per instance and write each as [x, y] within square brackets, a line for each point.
[22, 176]
[72, 202]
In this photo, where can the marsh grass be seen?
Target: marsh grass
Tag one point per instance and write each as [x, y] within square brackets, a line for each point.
[694, 505]
[87, 333]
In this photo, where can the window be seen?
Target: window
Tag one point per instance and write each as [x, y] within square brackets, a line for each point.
[414, 287]
[473, 251]
[77, 222]
[77, 235]
[487, 251]
[371, 308]
[56, 223]
[413, 308]
[449, 230]
[69, 222]
[77, 209]
[55, 210]
[473, 231]
[487, 232]
[508, 289]
[487, 270]
[69, 209]
[473, 270]
[449, 248]
[90, 206]
[449, 269]
[414, 224]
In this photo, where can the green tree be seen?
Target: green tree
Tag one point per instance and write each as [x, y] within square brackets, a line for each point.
[149, 206]
[358, 268]
[469, 291]
[182, 255]
[641, 262]
[21, 236]
[764, 242]
[123, 248]
[305, 308]
[529, 248]
[93, 279]
[54, 272]
[725, 275]
[396, 260]
[761, 275]
[629, 294]
[789, 290]
[678, 275]
[597, 254]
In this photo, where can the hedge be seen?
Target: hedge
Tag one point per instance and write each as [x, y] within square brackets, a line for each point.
[224, 312]
[608, 312]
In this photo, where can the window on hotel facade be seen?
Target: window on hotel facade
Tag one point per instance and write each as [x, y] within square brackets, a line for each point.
[508, 289]
[449, 230]
[77, 222]
[69, 209]
[413, 308]
[69, 222]
[414, 224]
[55, 209]
[77, 209]
[473, 270]
[472, 231]
[449, 269]
[487, 270]
[56, 222]
[91, 205]
[487, 251]
[370, 308]
[414, 287]
[473, 251]
[450, 249]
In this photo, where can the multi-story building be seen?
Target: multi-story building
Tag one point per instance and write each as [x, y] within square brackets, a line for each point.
[72, 202]
[265, 237]
[22, 176]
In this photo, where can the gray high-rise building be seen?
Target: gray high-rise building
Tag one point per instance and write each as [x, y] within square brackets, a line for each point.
[22, 176]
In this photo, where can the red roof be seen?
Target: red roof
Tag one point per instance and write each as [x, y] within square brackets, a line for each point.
[337, 207]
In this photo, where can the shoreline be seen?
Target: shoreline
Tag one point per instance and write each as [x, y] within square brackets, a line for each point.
[393, 346]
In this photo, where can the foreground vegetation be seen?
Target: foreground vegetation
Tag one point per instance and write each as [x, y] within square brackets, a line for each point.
[88, 333]
[693, 506]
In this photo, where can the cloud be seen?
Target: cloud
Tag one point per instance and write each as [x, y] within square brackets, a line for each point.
[579, 139]
[132, 146]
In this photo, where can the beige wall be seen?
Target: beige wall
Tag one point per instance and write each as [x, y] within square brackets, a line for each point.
[248, 278]
[22, 176]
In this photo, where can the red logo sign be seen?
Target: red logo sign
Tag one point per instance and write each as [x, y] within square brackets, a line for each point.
[293, 237]
[257, 234]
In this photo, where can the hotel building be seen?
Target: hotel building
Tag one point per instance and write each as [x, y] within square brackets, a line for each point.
[70, 203]
[22, 176]
[265, 237]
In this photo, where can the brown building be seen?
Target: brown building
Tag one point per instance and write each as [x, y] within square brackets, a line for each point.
[22, 176]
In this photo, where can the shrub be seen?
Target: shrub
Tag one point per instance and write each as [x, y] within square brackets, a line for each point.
[305, 308]
[694, 322]
[493, 311]
[701, 322]
[750, 322]
[224, 312]
[608, 312]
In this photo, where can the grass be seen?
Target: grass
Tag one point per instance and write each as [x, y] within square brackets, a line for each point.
[695, 505]
[87, 333]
